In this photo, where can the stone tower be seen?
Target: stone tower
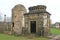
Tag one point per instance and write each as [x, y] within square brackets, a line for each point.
[18, 18]
[37, 20]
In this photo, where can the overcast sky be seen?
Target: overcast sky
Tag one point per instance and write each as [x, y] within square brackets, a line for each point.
[53, 7]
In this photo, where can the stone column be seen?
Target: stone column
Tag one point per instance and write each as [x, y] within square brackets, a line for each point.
[5, 24]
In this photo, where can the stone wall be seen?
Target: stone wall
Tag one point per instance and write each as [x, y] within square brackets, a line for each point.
[4, 28]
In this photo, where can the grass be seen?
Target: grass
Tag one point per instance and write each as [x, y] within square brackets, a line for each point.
[55, 31]
[12, 37]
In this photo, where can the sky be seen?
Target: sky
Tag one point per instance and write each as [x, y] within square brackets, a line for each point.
[53, 7]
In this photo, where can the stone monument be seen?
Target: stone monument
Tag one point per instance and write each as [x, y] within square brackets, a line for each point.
[18, 18]
[37, 20]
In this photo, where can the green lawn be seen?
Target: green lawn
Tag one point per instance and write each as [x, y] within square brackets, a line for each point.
[55, 31]
[12, 37]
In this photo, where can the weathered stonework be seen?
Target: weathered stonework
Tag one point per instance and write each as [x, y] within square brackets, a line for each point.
[18, 18]
[41, 17]
[36, 21]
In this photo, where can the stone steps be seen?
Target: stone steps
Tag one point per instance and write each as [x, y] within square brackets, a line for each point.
[31, 36]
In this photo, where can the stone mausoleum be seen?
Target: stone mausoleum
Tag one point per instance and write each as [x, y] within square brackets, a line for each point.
[36, 21]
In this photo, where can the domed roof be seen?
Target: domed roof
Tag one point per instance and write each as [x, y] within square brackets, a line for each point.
[19, 7]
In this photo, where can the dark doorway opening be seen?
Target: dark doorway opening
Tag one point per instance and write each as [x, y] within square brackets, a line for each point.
[13, 24]
[33, 26]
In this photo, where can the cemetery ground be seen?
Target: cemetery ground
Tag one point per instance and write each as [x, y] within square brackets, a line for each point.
[12, 37]
[55, 31]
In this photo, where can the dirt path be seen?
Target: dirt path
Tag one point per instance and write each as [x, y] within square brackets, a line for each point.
[57, 37]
